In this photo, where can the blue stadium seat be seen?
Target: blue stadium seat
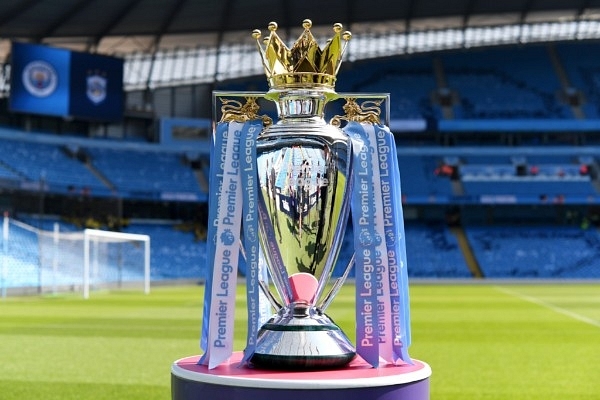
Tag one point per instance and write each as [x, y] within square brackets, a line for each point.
[433, 252]
[583, 73]
[36, 162]
[536, 251]
[175, 254]
[150, 174]
[489, 87]
[409, 81]
[418, 177]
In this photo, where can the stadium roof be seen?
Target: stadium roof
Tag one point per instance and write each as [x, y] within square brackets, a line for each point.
[180, 42]
[121, 26]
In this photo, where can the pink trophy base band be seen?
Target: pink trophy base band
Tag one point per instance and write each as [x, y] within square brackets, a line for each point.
[357, 381]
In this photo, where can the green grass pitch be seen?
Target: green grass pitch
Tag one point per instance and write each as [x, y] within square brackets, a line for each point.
[483, 341]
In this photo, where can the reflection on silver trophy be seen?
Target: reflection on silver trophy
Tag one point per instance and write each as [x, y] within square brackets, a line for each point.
[304, 174]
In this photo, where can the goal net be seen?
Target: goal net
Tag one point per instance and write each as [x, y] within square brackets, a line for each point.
[114, 257]
[74, 261]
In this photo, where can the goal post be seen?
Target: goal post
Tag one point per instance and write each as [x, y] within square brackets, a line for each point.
[62, 260]
[97, 242]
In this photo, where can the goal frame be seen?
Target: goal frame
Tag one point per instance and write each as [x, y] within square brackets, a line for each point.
[88, 237]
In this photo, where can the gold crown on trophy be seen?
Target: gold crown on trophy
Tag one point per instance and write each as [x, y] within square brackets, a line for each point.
[305, 65]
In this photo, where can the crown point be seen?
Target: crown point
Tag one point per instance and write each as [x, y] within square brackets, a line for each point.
[305, 65]
[346, 36]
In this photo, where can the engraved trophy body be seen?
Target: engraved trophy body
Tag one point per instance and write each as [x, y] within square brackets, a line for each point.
[304, 167]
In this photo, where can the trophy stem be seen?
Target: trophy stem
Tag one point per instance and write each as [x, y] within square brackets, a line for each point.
[305, 340]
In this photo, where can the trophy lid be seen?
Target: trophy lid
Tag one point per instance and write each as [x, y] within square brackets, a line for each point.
[305, 65]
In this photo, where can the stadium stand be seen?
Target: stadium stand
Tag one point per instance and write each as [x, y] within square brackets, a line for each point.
[544, 88]
[536, 251]
[419, 179]
[433, 252]
[142, 174]
[175, 254]
[62, 166]
[411, 85]
[525, 87]
[540, 180]
[582, 75]
[33, 164]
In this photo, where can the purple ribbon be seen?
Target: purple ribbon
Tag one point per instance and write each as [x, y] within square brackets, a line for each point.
[365, 247]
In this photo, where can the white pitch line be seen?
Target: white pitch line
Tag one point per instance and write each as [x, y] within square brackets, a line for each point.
[549, 306]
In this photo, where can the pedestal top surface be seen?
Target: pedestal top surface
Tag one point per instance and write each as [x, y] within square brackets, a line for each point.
[357, 374]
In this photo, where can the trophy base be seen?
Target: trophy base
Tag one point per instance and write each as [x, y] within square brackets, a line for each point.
[309, 343]
[232, 380]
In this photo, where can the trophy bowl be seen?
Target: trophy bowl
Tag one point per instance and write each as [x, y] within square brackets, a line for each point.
[304, 174]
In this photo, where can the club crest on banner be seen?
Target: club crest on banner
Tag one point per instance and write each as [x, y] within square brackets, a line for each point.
[96, 88]
[40, 78]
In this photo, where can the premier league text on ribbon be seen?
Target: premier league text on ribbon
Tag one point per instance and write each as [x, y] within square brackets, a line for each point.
[389, 223]
[233, 177]
[381, 260]
[232, 172]
[250, 226]
[381, 313]
[228, 256]
[375, 260]
[367, 334]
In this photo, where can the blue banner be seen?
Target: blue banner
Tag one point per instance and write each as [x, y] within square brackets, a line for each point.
[58, 82]
[96, 91]
[39, 79]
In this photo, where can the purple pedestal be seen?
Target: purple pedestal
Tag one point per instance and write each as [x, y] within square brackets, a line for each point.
[358, 381]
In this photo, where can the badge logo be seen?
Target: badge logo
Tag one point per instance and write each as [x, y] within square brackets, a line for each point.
[227, 237]
[39, 78]
[96, 88]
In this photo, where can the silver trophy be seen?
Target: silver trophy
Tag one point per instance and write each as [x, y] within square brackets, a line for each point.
[304, 167]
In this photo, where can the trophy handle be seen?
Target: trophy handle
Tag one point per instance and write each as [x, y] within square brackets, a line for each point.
[263, 285]
[337, 285]
[274, 303]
